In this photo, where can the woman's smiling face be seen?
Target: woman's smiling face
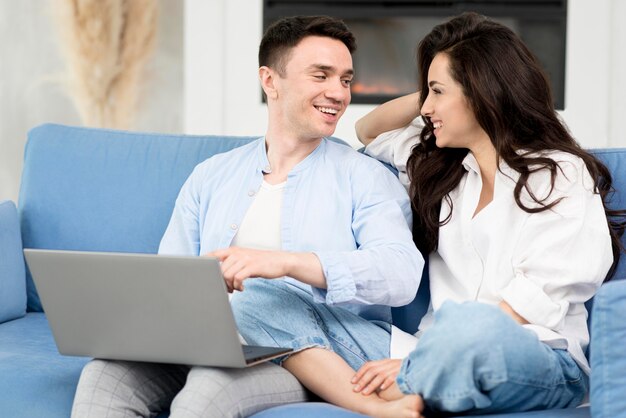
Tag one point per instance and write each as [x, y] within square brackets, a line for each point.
[454, 122]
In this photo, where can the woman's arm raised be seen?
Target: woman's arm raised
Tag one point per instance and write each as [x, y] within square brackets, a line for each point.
[391, 115]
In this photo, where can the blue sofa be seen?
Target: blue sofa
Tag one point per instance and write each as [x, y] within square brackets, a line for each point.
[104, 190]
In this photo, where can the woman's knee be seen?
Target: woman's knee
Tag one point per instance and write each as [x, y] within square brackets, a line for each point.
[470, 326]
[270, 307]
[466, 336]
[471, 347]
[262, 299]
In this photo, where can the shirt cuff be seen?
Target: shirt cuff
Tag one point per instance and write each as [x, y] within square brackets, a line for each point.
[532, 303]
[340, 286]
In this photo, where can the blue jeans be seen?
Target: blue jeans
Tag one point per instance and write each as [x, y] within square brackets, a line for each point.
[477, 359]
[275, 313]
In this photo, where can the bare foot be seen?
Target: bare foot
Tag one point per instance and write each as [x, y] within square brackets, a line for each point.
[392, 393]
[409, 406]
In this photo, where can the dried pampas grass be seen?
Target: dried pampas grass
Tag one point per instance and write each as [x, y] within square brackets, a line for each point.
[107, 44]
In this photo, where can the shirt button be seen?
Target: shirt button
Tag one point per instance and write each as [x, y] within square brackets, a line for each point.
[250, 193]
[233, 226]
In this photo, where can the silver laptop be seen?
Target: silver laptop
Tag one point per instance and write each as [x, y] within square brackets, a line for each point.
[141, 307]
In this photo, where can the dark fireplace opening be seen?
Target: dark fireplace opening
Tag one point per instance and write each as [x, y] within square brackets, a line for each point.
[388, 31]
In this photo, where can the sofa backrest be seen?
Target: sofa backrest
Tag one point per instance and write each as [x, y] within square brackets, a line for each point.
[615, 160]
[103, 190]
[12, 287]
[91, 189]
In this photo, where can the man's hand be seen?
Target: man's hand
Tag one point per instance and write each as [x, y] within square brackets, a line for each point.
[239, 264]
[376, 375]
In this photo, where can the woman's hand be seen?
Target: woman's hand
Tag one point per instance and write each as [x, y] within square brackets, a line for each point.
[376, 375]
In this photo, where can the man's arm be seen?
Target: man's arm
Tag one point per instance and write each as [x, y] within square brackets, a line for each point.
[239, 264]
[384, 269]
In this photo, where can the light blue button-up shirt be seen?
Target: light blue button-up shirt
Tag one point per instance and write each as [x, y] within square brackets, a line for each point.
[345, 207]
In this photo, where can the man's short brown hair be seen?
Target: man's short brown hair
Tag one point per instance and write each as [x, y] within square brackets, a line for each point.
[286, 33]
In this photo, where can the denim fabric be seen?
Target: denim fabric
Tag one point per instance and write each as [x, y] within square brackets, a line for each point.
[476, 359]
[277, 313]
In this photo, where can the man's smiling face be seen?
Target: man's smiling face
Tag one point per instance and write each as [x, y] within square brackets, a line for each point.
[314, 90]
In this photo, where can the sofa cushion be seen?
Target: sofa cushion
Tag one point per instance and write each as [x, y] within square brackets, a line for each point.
[608, 362]
[36, 380]
[12, 279]
[317, 409]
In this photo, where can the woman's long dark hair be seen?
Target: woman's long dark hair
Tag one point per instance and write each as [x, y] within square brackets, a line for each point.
[511, 99]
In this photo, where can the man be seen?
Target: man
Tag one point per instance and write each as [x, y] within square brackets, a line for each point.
[291, 204]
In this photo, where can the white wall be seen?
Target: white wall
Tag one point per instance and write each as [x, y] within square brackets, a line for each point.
[222, 93]
[33, 81]
[617, 77]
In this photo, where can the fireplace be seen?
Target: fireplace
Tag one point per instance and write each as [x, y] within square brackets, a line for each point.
[388, 31]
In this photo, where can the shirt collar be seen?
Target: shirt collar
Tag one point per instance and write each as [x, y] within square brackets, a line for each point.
[505, 176]
[264, 164]
[470, 163]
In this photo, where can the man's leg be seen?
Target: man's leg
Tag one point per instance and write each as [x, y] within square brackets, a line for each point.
[235, 393]
[477, 358]
[122, 389]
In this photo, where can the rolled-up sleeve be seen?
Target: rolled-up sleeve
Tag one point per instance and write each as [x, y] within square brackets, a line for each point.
[563, 254]
[386, 267]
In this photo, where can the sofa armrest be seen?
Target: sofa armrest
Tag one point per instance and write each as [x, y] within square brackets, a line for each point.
[12, 275]
[608, 357]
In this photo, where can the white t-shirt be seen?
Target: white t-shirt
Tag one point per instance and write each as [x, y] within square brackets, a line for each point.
[545, 265]
[260, 227]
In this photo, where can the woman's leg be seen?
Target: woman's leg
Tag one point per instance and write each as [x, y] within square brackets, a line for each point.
[327, 375]
[477, 358]
[330, 343]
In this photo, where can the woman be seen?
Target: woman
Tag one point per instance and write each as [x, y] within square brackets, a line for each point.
[511, 211]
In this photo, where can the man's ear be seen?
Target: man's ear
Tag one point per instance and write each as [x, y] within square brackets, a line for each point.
[267, 76]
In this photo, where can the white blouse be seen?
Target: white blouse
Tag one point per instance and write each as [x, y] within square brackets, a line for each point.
[544, 265]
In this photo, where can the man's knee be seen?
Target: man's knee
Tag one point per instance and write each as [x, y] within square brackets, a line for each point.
[99, 393]
[235, 393]
[101, 375]
[124, 388]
